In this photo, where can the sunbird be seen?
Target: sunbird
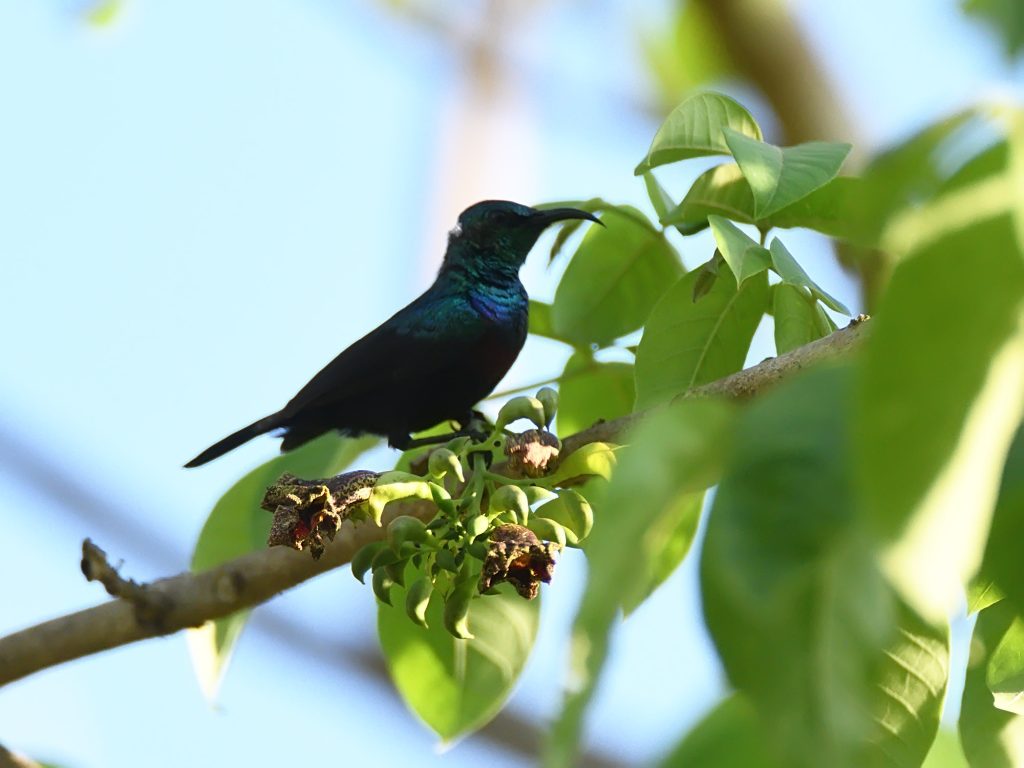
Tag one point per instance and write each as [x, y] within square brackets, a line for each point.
[436, 358]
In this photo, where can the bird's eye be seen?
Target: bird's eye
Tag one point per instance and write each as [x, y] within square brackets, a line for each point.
[455, 231]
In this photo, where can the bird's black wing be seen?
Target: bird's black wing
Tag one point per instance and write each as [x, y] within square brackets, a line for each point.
[419, 341]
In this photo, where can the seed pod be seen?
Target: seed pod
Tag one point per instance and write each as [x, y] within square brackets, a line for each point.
[405, 528]
[511, 498]
[549, 399]
[442, 461]
[538, 493]
[417, 599]
[571, 511]
[363, 559]
[456, 609]
[478, 525]
[581, 514]
[548, 530]
[522, 407]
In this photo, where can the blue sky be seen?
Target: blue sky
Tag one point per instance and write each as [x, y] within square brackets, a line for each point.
[201, 186]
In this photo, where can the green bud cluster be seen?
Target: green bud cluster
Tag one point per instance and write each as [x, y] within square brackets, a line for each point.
[439, 559]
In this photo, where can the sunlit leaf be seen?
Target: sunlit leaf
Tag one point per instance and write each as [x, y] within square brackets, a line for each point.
[1004, 675]
[681, 450]
[694, 129]
[910, 687]
[724, 191]
[1002, 571]
[791, 592]
[991, 737]
[779, 176]
[687, 342]
[590, 391]
[933, 431]
[661, 201]
[456, 686]
[983, 592]
[796, 321]
[791, 272]
[664, 545]
[719, 191]
[945, 752]
[613, 279]
[540, 320]
[744, 255]
[730, 736]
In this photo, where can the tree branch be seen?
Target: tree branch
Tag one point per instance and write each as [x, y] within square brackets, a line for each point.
[190, 599]
[741, 385]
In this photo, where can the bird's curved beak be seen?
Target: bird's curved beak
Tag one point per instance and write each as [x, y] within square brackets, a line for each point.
[551, 215]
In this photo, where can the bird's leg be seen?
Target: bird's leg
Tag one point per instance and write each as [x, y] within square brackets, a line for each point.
[407, 443]
[470, 426]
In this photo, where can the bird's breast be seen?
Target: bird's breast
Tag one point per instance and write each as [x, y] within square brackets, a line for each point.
[505, 307]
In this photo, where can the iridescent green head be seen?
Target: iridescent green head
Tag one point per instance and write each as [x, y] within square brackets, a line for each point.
[500, 233]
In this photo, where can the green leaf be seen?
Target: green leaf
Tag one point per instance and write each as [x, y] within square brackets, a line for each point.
[991, 737]
[614, 278]
[590, 391]
[540, 320]
[932, 431]
[945, 752]
[664, 545]
[730, 736]
[724, 191]
[719, 191]
[796, 319]
[830, 209]
[680, 450]
[981, 593]
[1004, 675]
[910, 687]
[1002, 571]
[694, 129]
[906, 176]
[778, 177]
[238, 525]
[569, 228]
[1004, 17]
[791, 272]
[791, 592]
[744, 255]
[660, 199]
[687, 343]
[456, 686]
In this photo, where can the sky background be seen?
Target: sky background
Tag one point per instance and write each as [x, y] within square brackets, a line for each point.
[201, 204]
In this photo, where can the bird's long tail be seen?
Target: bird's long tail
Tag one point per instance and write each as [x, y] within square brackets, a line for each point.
[235, 439]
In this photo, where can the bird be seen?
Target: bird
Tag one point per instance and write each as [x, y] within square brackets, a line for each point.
[436, 358]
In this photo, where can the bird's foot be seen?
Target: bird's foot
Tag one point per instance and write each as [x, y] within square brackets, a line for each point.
[408, 443]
